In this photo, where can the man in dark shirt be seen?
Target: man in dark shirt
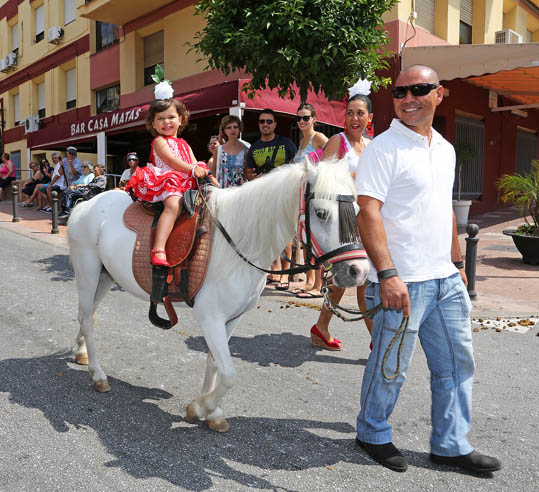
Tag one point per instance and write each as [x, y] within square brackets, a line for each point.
[270, 150]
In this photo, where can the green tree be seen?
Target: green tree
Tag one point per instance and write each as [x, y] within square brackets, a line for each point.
[323, 45]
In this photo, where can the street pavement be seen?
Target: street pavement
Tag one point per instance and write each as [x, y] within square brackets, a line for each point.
[292, 411]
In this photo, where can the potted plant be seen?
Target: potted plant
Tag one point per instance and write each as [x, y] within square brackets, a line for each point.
[465, 153]
[522, 190]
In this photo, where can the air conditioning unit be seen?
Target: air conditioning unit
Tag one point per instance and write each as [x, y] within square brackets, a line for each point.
[12, 59]
[3, 64]
[31, 123]
[508, 36]
[54, 34]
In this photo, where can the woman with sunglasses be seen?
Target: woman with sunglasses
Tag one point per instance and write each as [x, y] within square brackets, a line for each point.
[348, 145]
[230, 156]
[45, 176]
[310, 141]
[30, 185]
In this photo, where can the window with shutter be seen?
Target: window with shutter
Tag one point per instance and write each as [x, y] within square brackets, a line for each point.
[526, 150]
[465, 26]
[16, 110]
[15, 37]
[70, 9]
[71, 89]
[469, 130]
[40, 23]
[425, 14]
[154, 53]
[41, 100]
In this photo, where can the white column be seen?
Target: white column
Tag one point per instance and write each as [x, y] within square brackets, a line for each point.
[102, 149]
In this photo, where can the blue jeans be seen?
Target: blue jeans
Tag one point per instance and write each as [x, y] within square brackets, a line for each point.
[440, 316]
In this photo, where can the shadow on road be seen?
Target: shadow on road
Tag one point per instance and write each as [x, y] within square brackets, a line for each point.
[57, 265]
[61, 266]
[146, 441]
[284, 349]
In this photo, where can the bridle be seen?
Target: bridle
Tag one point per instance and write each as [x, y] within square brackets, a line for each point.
[316, 259]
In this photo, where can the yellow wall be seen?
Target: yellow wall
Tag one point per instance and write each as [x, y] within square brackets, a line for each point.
[400, 11]
[446, 20]
[517, 20]
[487, 19]
[489, 16]
[180, 28]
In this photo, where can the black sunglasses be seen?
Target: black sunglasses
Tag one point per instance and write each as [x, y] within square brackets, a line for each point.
[267, 122]
[304, 118]
[417, 90]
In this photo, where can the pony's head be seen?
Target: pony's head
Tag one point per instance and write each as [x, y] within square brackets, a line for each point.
[333, 219]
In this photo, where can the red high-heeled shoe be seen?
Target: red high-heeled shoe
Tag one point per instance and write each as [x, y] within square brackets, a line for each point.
[318, 340]
[158, 261]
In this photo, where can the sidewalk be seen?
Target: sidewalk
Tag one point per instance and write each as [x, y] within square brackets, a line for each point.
[32, 223]
[505, 286]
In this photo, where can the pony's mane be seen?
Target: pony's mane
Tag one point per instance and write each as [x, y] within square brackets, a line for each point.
[333, 174]
[261, 215]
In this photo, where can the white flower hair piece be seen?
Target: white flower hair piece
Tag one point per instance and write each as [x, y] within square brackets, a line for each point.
[362, 87]
[163, 90]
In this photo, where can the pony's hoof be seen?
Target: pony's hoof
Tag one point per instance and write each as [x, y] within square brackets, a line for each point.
[219, 425]
[190, 413]
[101, 386]
[81, 359]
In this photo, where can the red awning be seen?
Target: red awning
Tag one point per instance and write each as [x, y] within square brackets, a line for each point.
[329, 112]
[202, 102]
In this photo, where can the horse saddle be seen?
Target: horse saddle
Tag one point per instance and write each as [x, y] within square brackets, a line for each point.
[188, 248]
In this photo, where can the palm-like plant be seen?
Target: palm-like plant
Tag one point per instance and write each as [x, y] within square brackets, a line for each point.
[522, 190]
[465, 152]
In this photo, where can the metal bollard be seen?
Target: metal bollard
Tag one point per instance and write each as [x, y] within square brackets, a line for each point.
[471, 257]
[15, 190]
[54, 229]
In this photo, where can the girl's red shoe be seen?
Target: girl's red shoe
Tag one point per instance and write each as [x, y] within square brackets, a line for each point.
[318, 340]
[158, 261]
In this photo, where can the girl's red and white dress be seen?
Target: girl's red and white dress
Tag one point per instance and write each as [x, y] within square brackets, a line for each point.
[157, 181]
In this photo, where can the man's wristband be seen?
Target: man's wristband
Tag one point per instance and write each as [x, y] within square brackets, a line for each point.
[459, 264]
[388, 273]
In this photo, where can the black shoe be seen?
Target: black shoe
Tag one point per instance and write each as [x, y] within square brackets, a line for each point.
[63, 216]
[385, 454]
[475, 462]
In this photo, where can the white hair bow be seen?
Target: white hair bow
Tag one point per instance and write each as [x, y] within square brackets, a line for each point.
[362, 86]
[163, 90]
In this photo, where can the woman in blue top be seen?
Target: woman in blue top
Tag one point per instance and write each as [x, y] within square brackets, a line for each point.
[227, 165]
[310, 141]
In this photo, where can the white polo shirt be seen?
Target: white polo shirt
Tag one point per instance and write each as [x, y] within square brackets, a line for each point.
[415, 183]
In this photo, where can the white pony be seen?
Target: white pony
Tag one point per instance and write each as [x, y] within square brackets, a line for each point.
[260, 216]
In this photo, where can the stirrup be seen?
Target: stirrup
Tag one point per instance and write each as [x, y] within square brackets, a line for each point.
[157, 261]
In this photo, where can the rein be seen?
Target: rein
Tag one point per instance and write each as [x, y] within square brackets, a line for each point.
[334, 308]
[315, 257]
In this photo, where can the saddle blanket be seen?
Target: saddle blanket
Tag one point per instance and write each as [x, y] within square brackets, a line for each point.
[139, 220]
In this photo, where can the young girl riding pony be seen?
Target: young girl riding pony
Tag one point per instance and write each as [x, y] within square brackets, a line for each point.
[172, 168]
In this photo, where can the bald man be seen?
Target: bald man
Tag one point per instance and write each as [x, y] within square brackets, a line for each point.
[404, 184]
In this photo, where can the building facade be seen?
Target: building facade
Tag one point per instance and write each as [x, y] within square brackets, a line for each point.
[82, 76]
[487, 55]
[78, 72]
